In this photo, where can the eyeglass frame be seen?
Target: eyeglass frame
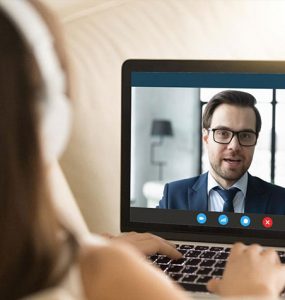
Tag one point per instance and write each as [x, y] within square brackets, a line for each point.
[233, 134]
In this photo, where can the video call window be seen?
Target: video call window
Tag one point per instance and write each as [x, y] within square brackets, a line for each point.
[166, 138]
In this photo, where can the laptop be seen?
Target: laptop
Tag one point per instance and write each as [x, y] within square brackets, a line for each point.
[162, 106]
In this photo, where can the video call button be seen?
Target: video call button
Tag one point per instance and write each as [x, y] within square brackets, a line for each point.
[267, 222]
[245, 221]
[201, 218]
[223, 220]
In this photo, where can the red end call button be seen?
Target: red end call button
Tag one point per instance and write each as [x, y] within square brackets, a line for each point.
[267, 222]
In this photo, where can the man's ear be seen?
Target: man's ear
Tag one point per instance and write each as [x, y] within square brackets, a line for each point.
[205, 135]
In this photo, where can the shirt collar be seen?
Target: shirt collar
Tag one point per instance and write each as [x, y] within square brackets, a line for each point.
[241, 183]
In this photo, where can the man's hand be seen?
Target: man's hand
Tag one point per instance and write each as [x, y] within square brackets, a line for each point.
[250, 270]
[148, 243]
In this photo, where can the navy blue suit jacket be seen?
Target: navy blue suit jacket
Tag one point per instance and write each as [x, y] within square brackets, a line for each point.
[191, 194]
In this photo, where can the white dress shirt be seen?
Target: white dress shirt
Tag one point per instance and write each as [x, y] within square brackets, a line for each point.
[216, 202]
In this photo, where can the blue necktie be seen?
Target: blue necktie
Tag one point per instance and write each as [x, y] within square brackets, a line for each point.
[228, 196]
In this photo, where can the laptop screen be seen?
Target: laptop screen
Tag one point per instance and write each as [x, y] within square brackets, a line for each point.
[168, 168]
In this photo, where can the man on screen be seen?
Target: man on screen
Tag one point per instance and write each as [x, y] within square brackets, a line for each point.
[231, 125]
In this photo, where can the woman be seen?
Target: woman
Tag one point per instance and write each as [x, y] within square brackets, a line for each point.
[37, 250]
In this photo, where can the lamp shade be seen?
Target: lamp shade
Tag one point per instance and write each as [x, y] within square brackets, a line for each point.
[161, 128]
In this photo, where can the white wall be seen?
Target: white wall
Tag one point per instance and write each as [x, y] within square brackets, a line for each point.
[181, 152]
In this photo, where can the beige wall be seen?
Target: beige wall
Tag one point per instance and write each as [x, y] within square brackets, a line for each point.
[101, 34]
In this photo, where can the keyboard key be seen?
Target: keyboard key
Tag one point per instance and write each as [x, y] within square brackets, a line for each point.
[207, 254]
[204, 271]
[217, 249]
[186, 247]
[220, 264]
[153, 257]
[203, 279]
[228, 249]
[207, 262]
[195, 287]
[189, 278]
[217, 272]
[221, 255]
[193, 253]
[174, 269]
[189, 269]
[163, 267]
[202, 248]
[183, 251]
[163, 260]
[193, 261]
[175, 276]
[180, 261]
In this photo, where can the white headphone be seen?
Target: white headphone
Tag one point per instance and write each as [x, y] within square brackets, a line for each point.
[54, 107]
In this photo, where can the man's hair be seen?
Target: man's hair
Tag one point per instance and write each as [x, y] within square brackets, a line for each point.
[231, 97]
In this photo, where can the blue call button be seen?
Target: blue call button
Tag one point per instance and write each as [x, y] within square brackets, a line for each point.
[245, 221]
[223, 220]
[201, 218]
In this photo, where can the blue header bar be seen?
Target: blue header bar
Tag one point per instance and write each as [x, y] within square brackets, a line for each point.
[207, 80]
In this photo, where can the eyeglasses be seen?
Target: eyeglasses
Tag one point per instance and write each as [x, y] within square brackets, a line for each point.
[225, 136]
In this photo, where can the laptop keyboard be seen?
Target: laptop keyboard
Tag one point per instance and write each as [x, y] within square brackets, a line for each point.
[198, 265]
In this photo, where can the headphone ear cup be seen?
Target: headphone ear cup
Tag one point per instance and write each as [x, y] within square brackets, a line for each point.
[55, 127]
[54, 107]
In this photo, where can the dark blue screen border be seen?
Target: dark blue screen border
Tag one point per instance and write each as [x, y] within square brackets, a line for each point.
[207, 80]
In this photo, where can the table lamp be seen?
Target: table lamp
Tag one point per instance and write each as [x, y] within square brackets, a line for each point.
[161, 129]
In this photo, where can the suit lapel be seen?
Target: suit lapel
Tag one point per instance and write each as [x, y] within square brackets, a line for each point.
[197, 194]
[256, 199]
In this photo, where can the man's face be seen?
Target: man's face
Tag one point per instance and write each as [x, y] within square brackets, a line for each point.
[228, 162]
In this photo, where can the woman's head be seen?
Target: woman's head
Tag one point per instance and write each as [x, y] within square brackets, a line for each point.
[34, 126]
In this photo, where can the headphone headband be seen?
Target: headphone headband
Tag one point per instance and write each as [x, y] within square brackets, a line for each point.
[54, 107]
[35, 32]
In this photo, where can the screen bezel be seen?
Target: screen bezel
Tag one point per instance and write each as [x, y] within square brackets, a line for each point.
[185, 232]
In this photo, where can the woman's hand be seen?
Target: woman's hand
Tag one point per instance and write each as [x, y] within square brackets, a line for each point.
[148, 243]
[116, 270]
[251, 270]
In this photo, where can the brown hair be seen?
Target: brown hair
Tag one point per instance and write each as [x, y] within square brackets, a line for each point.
[30, 248]
[231, 97]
